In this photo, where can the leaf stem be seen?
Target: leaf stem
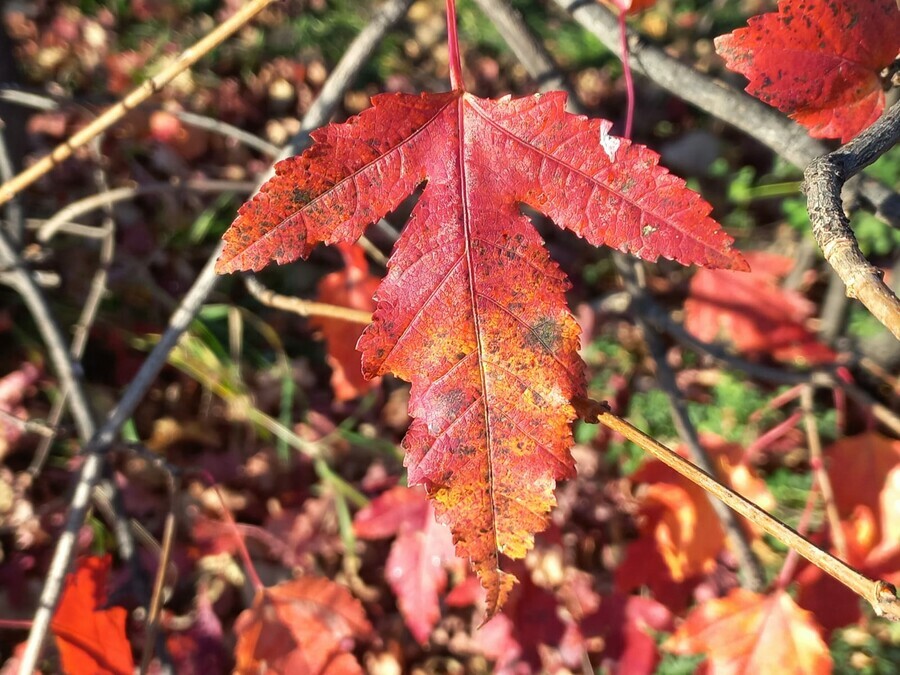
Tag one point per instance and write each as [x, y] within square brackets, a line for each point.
[456, 78]
[626, 70]
[881, 595]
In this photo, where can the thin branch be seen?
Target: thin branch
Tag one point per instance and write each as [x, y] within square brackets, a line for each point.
[879, 594]
[185, 60]
[159, 584]
[228, 131]
[817, 461]
[79, 208]
[303, 307]
[824, 179]
[728, 104]
[89, 312]
[332, 93]
[14, 214]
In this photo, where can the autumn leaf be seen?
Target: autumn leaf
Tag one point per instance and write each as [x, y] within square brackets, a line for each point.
[351, 287]
[833, 604]
[819, 61]
[681, 536]
[865, 477]
[859, 467]
[415, 566]
[746, 632]
[89, 635]
[754, 312]
[304, 627]
[472, 310]
[625, 626]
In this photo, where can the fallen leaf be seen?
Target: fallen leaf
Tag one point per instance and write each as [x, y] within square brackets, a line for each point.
[493, 365]
[859, 467]
[681, 536]
[301, 627]
[819, 61]
[752, 311]
[416, 564]
[746, 632]
[351, 287]
[625, 626]
[89, 635]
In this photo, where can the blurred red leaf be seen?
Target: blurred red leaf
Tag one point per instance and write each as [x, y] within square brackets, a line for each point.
[819, 61]
[351, 287]
[625, 625]
[754, 312]
[89, 635]
[300, 627]
[415, 567]
[746, 632]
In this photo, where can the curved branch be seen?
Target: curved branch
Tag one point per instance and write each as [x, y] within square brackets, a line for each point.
[737, 108]
[824, 179]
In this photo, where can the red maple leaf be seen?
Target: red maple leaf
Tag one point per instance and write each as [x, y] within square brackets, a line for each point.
[352, 287]
[473, 310]
[415, 567]
[746, 632]
[302, 626]
[819, 61]
[754, 312]
[89, 635]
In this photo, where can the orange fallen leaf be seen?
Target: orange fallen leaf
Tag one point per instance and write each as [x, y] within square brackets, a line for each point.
[301, 627]
[89, 635]
[677, 517]
[746, 632]
[859, 467]
[351, 287]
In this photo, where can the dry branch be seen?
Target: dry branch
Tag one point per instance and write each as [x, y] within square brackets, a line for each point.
[185, 60]
[824, 179]
[735, 107]
[879, 594]
[303, 307]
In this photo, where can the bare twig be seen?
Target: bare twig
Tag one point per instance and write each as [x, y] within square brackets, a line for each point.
[730, 105]
[162, 573]
[824, 179]
[527, 48]
[879, 594]
[817, 461]
[14, 214]
[303, 307]
[228, 131]
[102, 199]
[30, 426]
[88, 312]
[185, 60]
[332, 93]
